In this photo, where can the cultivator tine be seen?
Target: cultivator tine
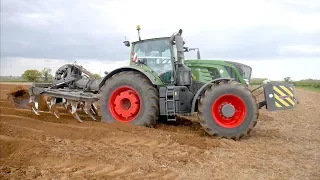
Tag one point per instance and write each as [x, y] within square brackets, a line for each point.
[53, 107]
[94, 109]
[66, 105]
[81, 106]
[87, 109]
[74, 107]
[34, 104]
[37, 104]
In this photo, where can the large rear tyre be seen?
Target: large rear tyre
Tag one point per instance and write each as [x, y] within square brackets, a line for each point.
[129, 97]
[228, 110]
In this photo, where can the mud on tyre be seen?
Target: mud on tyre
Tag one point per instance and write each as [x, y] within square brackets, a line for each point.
[228, 109]
[129, 97]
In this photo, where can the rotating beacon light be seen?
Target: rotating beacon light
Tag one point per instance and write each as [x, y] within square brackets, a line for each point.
[138, 28]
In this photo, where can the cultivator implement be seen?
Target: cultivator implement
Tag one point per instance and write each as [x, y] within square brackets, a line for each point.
[71, 101]
[70, 90]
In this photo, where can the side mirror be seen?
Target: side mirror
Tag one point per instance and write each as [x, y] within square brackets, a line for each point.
[126, 43]
[198, 54]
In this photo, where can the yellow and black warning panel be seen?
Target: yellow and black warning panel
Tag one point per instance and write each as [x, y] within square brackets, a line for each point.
[280, 96]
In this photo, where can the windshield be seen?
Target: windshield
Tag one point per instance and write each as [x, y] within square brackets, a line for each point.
[157, 55]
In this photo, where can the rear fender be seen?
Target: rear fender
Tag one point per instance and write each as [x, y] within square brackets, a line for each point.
[203, 88]
[154, 79]
[279, 96]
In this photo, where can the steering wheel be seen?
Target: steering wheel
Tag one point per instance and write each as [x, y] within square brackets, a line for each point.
[165, 61]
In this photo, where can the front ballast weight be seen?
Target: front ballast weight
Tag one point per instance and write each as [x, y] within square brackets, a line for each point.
[278, 96]
[71, 99]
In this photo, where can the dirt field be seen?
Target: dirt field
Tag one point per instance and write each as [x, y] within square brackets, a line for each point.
[284, 145]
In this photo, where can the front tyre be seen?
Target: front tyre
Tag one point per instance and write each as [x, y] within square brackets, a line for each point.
[129, 97]
[228, 110]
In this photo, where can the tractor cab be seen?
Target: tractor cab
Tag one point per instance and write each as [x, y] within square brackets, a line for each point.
[158, 54]
[164, 56]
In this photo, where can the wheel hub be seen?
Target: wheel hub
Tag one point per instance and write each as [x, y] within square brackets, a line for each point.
[125, 104]
[228, 110]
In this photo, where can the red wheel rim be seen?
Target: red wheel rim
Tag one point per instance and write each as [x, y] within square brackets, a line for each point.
[237, 118]
[125, 104]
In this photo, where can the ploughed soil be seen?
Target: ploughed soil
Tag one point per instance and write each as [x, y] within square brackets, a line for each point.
[283, 145]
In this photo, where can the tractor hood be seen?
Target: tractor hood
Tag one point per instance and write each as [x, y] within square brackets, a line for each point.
[241, 72]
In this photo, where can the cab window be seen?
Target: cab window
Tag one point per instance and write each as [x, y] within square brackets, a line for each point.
[157, 55]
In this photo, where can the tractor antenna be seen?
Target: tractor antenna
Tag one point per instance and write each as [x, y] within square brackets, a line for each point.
[138, 28]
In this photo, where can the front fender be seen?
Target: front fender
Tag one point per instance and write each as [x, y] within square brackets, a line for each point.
[202, 89]
[145, 70]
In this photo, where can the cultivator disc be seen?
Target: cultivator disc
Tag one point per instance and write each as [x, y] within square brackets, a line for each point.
[20, 98]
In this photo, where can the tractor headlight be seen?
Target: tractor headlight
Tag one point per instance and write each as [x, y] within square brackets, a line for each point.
[247, 82]
[266, 81]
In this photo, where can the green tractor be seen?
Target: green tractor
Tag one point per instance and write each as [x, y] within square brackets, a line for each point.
[159, 82]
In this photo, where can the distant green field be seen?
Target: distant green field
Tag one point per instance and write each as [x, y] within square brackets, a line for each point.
[310, 88]
[310, 84]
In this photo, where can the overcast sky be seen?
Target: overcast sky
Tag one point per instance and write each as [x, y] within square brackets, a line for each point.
[269, 35]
